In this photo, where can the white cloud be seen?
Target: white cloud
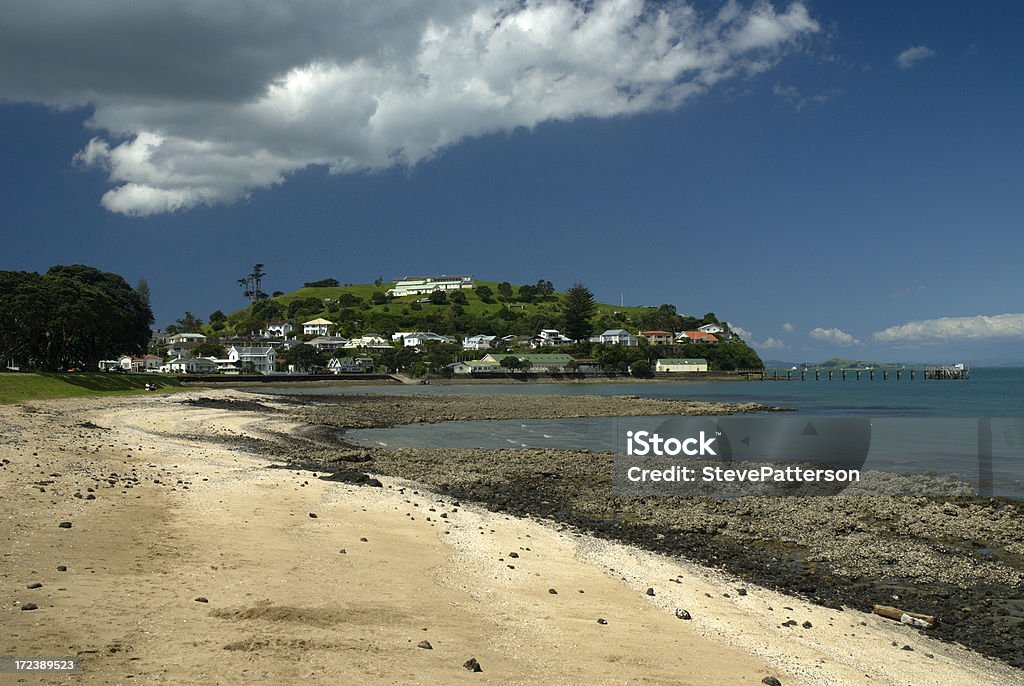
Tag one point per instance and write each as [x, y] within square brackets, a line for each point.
[944, 329]
[198, 103]
[909, 58]
[837, 336]
[741, 332]
[787, 327]
[799, 100]
[771, 344]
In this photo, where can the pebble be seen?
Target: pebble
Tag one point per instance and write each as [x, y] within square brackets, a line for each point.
[364, 540]
[65, 525]
[682, 614]
[312, 515]
[807, 625]
[602, 621]
[771, 681]
[552, 591]
[425, 645]
[201, 599]
[741, 591]
[343, 551]
[650, 591]
[472, 665]
[513, 555]
[34, 585]
[29, 606]
[62, 568]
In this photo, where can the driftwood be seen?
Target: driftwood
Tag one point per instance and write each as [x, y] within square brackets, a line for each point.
[914, 619]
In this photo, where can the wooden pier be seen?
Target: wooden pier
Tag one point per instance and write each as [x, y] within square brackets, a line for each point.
[954, 373]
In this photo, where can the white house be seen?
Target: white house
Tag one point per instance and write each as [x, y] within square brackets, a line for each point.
[278, 329]
[181, 344]
[478, 342]
[370, 340]
[711, 328]
[616, 337]
[417, 338]
[192, 365]
[145, 363]
[317, 327]
[681, 364]
[328, 342]
[423, 285]
[549, 338]
[258, 359]
[350, 365]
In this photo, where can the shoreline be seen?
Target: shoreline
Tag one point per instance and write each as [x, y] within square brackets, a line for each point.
[180, 521]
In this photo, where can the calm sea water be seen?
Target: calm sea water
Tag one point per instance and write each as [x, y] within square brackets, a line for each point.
[990, 392]
[916, 426]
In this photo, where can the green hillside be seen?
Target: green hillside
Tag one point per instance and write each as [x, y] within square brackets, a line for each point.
[360, 308]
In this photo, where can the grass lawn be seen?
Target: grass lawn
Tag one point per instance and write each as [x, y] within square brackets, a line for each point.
[18, 386]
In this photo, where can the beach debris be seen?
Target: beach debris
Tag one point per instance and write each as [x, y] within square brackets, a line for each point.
[789, 622]
[65, 525]
[650, 592]
[682, 614]
[602, 621]
[807, 625]
[906, 648]
[513, 554]
[34, 585]
[201, 599]
[913, 619]
[29, 606]
[62, 568]
[472, 665]
[364, 540]
[741, 591]
[312, 515]
[771, 681]
[425, 645]
[552, 591]
[343, 552]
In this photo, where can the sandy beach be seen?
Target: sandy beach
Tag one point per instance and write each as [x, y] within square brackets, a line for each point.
[188, 560]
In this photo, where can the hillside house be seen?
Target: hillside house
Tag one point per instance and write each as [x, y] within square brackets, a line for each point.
[616, 337]
[478, 342]
[697, 337]
[317, 327]
[370, 341]
[328, 342]
[549, 338]
[260, 359]
[658, 337]
[425, 285]
[711, 328]
[277, 329]
[350, 365]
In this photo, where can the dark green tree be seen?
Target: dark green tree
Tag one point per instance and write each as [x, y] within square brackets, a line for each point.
[252, 283]
[577, 310]
[485, 293]
[438, 298]
[304, 357]
[505, 289]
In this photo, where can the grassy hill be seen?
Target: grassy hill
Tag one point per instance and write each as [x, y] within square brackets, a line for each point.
[352, 307]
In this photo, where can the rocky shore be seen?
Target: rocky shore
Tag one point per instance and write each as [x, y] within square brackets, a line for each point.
[959, 558]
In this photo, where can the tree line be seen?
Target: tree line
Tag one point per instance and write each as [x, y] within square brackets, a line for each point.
[71, 316]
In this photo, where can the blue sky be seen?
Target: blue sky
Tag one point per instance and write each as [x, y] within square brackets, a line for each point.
[837, 179]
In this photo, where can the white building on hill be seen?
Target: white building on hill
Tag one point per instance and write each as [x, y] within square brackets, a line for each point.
[424, 285]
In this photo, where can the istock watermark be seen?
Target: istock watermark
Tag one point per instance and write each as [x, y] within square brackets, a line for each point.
[733, 456]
